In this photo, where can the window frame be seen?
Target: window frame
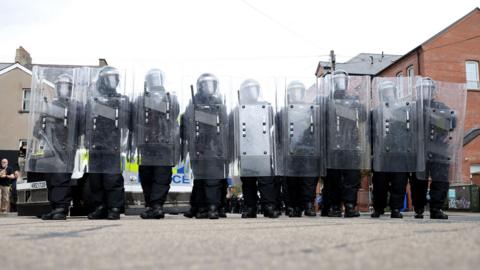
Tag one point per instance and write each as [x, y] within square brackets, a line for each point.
[25, 99]
[472, 84]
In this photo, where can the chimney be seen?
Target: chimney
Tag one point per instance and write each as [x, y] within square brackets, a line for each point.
[102, 62]
[23, 57]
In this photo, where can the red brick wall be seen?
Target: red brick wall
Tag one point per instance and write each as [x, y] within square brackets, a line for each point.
[402, 65]
[443, 58]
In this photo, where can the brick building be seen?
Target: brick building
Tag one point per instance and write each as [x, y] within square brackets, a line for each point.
[452, 55]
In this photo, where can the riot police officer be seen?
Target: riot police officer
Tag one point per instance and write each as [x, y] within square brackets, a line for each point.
[252, 122]
[394, 141]
[204, 135]
[298, 142]
[54, 140]
[156, 141]
[444, 106]
[348, 149]
[107, 132]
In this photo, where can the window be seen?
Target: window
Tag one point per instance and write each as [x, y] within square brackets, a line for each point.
[399, 82]
[410, 75]
[471, 68]
[26, 99]
[410, 71]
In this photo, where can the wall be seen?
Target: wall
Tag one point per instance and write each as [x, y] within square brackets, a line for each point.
[13, 123]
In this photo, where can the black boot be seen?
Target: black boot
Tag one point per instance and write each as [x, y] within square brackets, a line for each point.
[419, 213]
[324, 211]
[270, 211]
[288, 211]
[113, 213]
[377, 213]
[155, 212]
[191, 213]
[221, 212]
[395, 213]
[310, 210]
[213, 212]
[436, 213]
[99, 213]
[59, 213]
[249, 212]
[202, 213]
[350, 211]
[297, 212]
[335, 211]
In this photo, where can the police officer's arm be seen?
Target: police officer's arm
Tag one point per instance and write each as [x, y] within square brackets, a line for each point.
[133, 131]
[129, 111]
[231, 135]
[185, 129]
[80, 121]
[175, 113]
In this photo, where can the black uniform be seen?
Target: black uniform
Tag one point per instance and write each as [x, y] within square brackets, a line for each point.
[347, 143]
[299, 149]
[394, 142]
[156, 141]
[204, 135]
[436, 168]
[107, 132]
[54, 143]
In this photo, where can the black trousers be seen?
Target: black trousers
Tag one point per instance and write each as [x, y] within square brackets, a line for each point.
[266, 186]
[155, 181]
[281, 192]
[438, 187]
[301, 190]
[59, 189]
[394, 183]
[342, 185]
[223, 194]
[107, 189]
[206, 192]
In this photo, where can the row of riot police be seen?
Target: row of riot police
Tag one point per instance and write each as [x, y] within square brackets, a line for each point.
[277, 136]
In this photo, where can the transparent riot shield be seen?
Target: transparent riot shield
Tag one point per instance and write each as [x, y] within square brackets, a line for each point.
[205, 127]
[156, 118]
[445, 104]
[252, 124]
[348, 130]
[300, 134]
[107, 120]
[397, 126]
[53, 122]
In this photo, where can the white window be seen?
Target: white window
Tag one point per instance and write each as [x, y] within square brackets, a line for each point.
[410, 71]
[471, 68]
[399, 82]
[26, 99]
[410, 75]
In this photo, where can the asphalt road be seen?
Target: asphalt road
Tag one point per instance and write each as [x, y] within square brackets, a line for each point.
[235, 243]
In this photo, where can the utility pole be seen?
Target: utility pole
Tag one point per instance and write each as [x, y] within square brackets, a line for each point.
[332, 61]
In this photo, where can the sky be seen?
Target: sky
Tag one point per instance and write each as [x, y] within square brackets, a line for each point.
[243, 38]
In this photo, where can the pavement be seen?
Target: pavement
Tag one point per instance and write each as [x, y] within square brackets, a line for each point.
[234, 243]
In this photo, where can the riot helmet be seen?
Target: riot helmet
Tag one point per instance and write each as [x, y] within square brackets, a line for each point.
[387, 91]
[63, 86]
[296, 92]
[207, 85]
[249, 91]
[426, 87]
[154, 80]
[340, 84]
[108, 80]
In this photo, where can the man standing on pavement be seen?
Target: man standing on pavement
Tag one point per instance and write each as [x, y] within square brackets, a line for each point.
[6, 177]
